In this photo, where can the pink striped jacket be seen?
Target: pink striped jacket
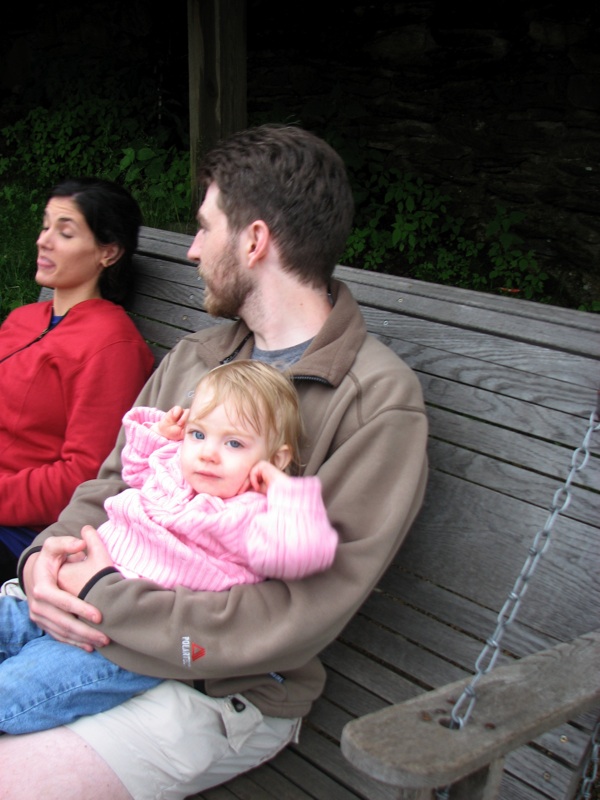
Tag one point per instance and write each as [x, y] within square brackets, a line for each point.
[160, 529]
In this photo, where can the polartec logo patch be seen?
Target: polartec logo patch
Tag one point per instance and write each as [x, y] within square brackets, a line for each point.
[190, 651]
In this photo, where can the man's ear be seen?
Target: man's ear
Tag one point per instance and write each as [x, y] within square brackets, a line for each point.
[258, 240]
[282, 457]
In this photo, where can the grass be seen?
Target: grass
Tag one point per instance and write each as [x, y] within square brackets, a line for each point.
[17, 285]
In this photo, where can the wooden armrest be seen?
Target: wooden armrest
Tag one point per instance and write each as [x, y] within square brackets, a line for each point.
[410, 745]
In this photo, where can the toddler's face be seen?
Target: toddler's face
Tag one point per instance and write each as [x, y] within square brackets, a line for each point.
[219, 450]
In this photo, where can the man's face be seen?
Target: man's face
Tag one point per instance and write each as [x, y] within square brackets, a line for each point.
[215, 249]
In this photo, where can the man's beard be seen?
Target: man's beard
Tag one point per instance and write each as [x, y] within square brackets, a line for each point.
[229, 287]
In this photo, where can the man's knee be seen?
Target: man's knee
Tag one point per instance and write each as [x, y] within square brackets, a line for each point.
[56, 765]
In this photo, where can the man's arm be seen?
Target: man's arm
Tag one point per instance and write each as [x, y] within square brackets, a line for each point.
[373, 486]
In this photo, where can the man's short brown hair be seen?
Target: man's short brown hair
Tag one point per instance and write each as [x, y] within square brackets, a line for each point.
[293, 181]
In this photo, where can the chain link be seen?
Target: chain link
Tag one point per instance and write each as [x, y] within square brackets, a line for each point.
[487, 658]
[590, 772]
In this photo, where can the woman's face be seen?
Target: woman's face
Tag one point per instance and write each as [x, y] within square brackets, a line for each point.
[69, 259]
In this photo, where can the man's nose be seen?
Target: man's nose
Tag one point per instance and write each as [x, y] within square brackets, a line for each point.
[195, 250]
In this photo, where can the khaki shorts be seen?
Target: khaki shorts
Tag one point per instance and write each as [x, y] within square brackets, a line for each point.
[173, 741]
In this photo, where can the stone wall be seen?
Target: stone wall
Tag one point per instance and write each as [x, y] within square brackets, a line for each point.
[493, 105]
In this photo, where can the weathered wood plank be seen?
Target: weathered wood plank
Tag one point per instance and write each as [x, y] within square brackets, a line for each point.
[458, 298]
[439, 638]
[277, 784]
[157, 243]
[522, 484]
[243, 789]
[326, 753]
[532, 330]
[539, 771]
[425, 668]
[305, 767]
[367, 674]
[219, 793]
[265, 782]
[161, 273]
[454, 434]
[519, 384]
[171, 314]
[478, 553]
[460, 613]
[567, 740]
[576, 361]
[512, 788]
[505, 412]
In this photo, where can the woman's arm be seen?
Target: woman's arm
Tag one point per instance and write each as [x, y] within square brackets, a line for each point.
[95, 397]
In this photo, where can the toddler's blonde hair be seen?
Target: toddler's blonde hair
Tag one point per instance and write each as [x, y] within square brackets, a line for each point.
[263, 397]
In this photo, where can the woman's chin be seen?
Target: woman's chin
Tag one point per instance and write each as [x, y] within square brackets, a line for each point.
[44, 279]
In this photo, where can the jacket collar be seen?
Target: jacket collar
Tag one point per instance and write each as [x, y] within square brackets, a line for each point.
[329, 356]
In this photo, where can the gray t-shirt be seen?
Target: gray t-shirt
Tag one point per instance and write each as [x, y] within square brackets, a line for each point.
[281, 359]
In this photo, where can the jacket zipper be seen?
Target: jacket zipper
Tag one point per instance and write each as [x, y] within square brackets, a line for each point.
[32, 342]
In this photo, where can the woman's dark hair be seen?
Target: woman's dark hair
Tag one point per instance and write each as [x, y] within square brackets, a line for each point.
[114, 217]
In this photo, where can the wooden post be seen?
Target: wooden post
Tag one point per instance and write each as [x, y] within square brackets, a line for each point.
[481, 785]
[217, 75]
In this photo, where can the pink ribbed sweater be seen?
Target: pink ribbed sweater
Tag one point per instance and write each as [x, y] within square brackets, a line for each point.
[162, 530]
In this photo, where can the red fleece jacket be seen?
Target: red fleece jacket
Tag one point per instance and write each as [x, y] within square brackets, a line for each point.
[63, 393]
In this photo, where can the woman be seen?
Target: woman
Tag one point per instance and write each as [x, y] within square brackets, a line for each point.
[69, 367]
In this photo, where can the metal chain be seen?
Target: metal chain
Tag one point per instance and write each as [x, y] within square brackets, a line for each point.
[590, 771]
[491, 650]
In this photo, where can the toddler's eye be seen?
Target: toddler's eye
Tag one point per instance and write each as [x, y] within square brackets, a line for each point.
[198, 435]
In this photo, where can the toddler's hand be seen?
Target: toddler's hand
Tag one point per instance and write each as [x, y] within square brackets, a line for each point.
[172, 424]
[263, 475]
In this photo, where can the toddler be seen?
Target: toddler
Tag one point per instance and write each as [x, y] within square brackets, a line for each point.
[211, 504]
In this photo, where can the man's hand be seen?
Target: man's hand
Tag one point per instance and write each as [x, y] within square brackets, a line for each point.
[80, 568]
[59, 613]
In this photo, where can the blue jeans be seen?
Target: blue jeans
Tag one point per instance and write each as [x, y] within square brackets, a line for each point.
[12, 543]
[45, 683]
[16, 539]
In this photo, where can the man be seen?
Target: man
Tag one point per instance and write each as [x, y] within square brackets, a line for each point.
[276, 213]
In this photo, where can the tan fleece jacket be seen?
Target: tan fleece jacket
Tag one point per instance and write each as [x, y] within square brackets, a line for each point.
[366, 439]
